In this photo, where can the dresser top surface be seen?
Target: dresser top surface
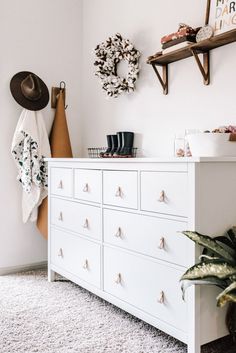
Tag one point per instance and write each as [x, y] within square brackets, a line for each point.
[145, 160]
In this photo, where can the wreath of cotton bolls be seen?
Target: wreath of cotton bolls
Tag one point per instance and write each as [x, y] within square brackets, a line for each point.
[108, 55]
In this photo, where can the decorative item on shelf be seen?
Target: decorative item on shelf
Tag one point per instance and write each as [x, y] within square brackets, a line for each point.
[185, 36]
[222, 15]
[183, 31]
[206, 32]
[218, 143]
[108, 56]
[179, 148]
[217, 267]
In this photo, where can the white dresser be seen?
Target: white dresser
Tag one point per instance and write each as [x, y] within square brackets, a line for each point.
[114, 229]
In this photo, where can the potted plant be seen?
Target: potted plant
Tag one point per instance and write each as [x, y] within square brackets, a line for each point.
[217, 267]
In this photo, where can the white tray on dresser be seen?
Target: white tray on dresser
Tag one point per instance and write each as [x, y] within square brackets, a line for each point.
[114, 229]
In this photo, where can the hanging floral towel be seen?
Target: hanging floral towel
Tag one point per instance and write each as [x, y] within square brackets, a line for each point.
[30, 146]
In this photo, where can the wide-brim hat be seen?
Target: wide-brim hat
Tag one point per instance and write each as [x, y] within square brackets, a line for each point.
[29, 90]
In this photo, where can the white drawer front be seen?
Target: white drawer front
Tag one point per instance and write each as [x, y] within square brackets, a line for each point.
[120, 188]
[151, 287]
[61, 181]
[79, 218]
[151, 236]
[77, 256]
[165, 192]
[88, 185]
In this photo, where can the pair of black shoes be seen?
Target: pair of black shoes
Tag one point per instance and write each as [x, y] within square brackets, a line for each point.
[120, 145]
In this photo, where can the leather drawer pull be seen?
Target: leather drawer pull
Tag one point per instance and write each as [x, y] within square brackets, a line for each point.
[60, 253]
[162, 243]
[161, 300]
[86, 224]
[162, 196]
[118, 279]
[118, 233]
[119, 192]
[60, 218]
[86, 188]
[85, 265]
[60, 185]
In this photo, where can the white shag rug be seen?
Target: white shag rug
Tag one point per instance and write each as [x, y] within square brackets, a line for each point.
[61, 317]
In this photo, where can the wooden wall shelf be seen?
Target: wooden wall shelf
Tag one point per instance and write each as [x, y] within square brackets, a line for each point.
[204, 47]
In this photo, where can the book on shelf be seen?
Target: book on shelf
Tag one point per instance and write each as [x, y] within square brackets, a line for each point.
[179, 40]
[176, 47]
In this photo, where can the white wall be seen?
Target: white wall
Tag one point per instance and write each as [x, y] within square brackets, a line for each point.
[43, 37]
[154, 117]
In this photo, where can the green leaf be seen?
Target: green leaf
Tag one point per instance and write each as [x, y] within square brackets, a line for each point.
[218, 269]
[232, 235]
[228, 295]
[224, 240]
[208, 281]
[210, 244]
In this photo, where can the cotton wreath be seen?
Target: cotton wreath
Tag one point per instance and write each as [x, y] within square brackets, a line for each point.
[108, 55]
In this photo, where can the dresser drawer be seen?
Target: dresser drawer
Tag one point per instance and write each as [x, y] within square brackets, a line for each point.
[120, 188]
[77, 256]
[165, 192]
[152, 287]
[76, 217]
[61, 182]
[151, 236]
[88, 185]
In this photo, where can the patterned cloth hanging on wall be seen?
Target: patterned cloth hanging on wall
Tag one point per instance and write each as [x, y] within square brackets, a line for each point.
[30, 146]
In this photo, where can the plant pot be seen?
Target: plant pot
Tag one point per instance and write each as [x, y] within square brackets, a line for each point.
[231, 320]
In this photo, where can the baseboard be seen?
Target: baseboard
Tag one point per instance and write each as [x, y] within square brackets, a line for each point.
[22, 268]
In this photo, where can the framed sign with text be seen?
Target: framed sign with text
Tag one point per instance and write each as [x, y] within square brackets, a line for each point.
[222, 16]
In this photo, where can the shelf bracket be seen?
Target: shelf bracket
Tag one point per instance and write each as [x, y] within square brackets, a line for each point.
[164, 79]
[205, 67]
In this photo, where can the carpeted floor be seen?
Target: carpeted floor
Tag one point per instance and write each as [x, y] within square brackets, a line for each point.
[60, 317]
